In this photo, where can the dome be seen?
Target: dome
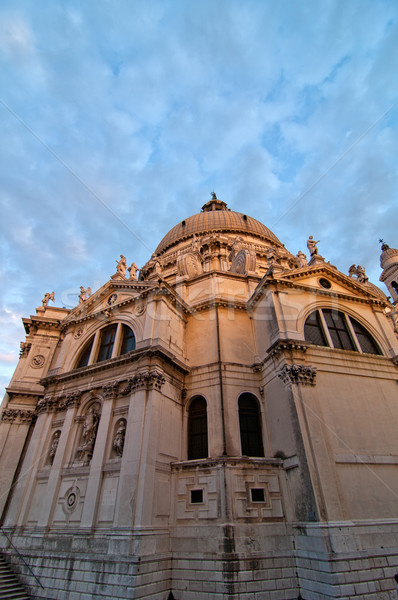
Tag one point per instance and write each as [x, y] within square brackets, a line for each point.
[388, 256]
[215, 216]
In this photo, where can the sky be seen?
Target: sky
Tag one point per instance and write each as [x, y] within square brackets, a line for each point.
[118, 120]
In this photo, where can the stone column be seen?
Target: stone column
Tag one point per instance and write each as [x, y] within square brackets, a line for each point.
[24, 489]
[130, 460]
[49, 501]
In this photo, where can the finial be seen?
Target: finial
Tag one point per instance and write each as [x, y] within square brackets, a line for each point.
[214, 196]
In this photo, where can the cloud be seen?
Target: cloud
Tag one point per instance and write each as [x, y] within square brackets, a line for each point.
[149, 107]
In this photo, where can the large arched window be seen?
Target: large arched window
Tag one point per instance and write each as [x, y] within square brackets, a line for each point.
[327, 327]
[110, 341]
[197, 429]
[250, 426]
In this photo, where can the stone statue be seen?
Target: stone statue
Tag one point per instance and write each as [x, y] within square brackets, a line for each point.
[54, 446]
[362, 277]
[84, 294]
[301, 259]
[90, 429]
[311, 245]
[118, 442]
[122, 265]
[133, 271]
[358, 272]
[47, 298]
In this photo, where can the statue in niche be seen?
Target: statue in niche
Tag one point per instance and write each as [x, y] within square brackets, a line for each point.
[133, 269]
[54, 446]
[90, 429]
[84, 294]
[312, 246]
[118, 442]
[301, 259]
[47, 298]
[121, 265]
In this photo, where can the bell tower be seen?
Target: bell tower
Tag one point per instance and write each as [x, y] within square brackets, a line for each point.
[389, 264]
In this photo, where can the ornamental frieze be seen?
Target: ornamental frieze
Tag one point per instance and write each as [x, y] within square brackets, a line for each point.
[10, 415]
[303, 374]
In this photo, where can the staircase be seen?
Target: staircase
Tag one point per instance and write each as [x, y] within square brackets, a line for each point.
[10, 588]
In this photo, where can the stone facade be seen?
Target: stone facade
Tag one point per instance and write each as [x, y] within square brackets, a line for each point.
[222, 426]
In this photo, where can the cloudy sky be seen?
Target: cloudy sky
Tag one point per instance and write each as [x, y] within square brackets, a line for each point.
[119, 118]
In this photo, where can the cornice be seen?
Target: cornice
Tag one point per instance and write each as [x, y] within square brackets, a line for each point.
[152, 378]
[279, 347]
[43, 322]
[133, 356]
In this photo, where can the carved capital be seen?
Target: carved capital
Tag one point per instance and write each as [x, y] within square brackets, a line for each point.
[110, 389]
[304, 374]
[147, 380]
[11, 415]
[47, 404]
[24, 349]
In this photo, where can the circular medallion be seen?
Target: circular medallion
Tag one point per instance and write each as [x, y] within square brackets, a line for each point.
[140, 309]
[112, 299]
[37, 361]
[78, 333]
[71, 499]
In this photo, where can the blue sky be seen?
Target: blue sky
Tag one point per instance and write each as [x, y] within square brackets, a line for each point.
[119, 118]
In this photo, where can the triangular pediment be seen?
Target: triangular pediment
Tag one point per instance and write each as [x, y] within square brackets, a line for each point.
[322, 279]
[114, 294]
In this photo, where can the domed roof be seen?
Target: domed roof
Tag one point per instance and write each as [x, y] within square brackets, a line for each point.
[215, 216]
[388, 256]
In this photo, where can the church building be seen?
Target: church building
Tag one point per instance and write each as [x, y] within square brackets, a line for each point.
[220, 424]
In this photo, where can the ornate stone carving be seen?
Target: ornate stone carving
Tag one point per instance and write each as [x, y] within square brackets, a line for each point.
[301, 259]
[71, 499]
[84, 294]
[358, 273]
[189, 264]
[147, 380]
[47, 404]
[133, 269]
[89, 434]
[109, 390]
[47, 298]
[312, 245]
[79, 333]
[24, 349]
[10, 415]
[118, 441]
[121, 266]
[304, 374]
[37, 361]
[53, 447]
[140, 309]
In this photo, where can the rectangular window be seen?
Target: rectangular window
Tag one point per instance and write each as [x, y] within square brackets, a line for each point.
[196, 496]
[257, 494]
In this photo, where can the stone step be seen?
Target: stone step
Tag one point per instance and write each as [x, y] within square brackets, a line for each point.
[10, 587]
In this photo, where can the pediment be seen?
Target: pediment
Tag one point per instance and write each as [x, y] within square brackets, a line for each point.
[113, 295]
[322, 279]
[318, 278]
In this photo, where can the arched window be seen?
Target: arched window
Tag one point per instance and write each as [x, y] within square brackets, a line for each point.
[107, 340]
[327, 327]
[250, 426]
[110, 341]
[197, 429]
[128, 340]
